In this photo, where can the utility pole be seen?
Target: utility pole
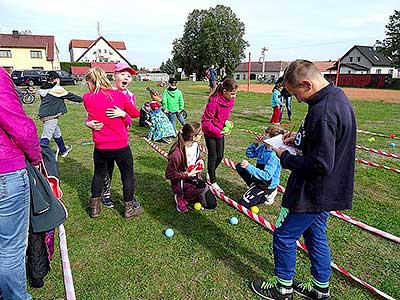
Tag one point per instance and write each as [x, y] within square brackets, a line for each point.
[262, 59]
[98, 28]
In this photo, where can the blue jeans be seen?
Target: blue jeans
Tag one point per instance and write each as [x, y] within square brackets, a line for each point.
[172, 118]
[14, 223]
[288, 230]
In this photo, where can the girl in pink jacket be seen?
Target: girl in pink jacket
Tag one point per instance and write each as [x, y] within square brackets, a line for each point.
[110, 109]
[216, 113]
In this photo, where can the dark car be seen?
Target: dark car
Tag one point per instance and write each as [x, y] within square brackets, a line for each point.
[26, 77]
[65, 77]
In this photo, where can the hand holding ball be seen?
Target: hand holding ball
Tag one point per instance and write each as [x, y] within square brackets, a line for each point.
[228, 127]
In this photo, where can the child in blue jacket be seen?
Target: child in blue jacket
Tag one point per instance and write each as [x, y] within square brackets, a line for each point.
[263, 178]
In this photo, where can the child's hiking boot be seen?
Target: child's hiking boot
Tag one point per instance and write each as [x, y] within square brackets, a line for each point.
[95, 207]
[68, 150]
[132, 211]
[181, 204]
[272, 289]
[217, 188]
[310, 290]
[269, 199]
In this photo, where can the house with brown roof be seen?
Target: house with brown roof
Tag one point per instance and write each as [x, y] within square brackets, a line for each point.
[99, 50]
[28, 51]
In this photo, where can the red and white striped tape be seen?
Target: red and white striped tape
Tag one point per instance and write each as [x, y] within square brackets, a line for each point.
[68, 281]
[362, 161]
[268, 225]
[381, 152]
[336, 214]
[378, 134]
[370, 163]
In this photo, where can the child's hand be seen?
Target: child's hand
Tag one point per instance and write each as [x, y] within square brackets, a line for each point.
[115, 112]
[288, 138]
[194, 172]
[95, 125]
[244, 163]
[259, 138]
[225, 133]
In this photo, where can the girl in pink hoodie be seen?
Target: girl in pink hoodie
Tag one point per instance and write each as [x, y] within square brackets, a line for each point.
[216, 113]
[110, 109]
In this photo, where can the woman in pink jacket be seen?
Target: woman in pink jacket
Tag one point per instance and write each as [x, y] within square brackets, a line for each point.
[18, 142]
[110, 109]
[216, 113]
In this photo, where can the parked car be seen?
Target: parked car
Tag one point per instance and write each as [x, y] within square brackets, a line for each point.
[26, 77]
[65, 77]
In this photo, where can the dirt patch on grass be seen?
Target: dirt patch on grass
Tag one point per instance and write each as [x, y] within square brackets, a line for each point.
[375, 95]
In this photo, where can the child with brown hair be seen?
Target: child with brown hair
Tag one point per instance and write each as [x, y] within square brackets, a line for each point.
[110, 108]
[185, 165]
[263, 178]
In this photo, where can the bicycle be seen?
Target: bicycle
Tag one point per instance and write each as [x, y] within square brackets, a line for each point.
[29, 95]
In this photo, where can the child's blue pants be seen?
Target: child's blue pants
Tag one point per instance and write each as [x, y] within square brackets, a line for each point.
[313, 228]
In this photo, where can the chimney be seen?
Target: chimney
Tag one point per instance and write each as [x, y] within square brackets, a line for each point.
[15, 33]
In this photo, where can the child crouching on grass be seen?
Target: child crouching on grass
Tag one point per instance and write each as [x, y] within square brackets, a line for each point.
[263, 178]
[110, 108]
[185, 165]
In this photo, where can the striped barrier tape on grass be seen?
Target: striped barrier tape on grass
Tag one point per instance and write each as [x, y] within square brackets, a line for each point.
[380, 152]
[268, 225]
[378, 134]
[68, 281]
[336, 214]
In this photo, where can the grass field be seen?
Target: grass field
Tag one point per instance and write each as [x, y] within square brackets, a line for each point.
[112, 258]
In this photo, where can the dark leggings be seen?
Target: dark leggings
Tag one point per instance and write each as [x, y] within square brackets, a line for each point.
[123, 158]
[215, 149]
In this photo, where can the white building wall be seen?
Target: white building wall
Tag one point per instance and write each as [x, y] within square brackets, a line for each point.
[100, 52]
[384, 70]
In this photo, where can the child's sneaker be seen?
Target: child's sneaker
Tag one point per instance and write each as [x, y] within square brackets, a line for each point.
[310, 291]
[217, 188]
[68, 150]
[181, 204]
[269, 199]
[106, 201]
[272, 290]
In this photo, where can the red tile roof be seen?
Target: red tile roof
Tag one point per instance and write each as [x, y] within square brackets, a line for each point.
[79, 70]
[86, 44]
[324, 65]
[46, 42]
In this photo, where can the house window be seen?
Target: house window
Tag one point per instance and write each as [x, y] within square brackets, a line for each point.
[99, 50]
[358, 58]
[390, 71]
[237, 76]
[349, 72]
[351, 59]
[244, 76]
[378, 71]
[5, 53]
[36, 54]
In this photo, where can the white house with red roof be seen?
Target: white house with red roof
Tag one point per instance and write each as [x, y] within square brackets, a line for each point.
[28, 51]
[99, 50]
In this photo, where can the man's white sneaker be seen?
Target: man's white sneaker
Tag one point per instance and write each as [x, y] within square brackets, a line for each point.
[217, 187]
[269, 199]
[68, 150]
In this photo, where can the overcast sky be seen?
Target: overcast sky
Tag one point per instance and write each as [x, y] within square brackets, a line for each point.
[290, 29]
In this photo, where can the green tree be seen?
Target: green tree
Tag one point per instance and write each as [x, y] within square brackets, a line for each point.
[390, 46]
[213, 36]
[168, 67]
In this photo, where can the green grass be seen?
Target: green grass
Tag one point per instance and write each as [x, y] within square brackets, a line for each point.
[112, 258]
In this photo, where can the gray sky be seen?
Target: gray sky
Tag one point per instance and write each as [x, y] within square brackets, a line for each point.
[315, 30]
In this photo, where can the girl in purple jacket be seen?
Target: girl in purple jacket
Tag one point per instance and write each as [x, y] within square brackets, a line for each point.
[216, 113]
[184, 168]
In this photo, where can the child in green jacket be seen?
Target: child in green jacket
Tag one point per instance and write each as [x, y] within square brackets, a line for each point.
[172, 101]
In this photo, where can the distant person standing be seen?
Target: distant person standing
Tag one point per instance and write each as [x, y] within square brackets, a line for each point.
[321, 180]
[286, 99]
[212, 77]
[172, 101]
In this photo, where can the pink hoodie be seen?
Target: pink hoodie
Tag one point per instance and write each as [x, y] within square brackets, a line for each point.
[217, 111]
[18, 135]
[114, 134]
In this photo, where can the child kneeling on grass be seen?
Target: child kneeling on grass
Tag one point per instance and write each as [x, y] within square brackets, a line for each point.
[185, 165]
[263, 178]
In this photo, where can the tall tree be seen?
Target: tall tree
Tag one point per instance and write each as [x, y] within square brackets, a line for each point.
[213, 36]
[390, 46]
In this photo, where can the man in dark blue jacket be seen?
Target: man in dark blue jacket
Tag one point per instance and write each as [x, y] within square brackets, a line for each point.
[321, 180]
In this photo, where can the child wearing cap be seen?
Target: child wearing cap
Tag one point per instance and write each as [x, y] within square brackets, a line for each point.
[122, 78]
[172, 101]
[52, 106]
[161, 128]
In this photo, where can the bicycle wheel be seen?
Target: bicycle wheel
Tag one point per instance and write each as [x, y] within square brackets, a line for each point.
[28, 98]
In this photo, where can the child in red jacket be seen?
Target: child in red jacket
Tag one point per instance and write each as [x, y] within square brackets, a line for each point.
[184, 168]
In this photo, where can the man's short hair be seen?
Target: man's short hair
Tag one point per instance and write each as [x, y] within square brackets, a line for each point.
[299, 70]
